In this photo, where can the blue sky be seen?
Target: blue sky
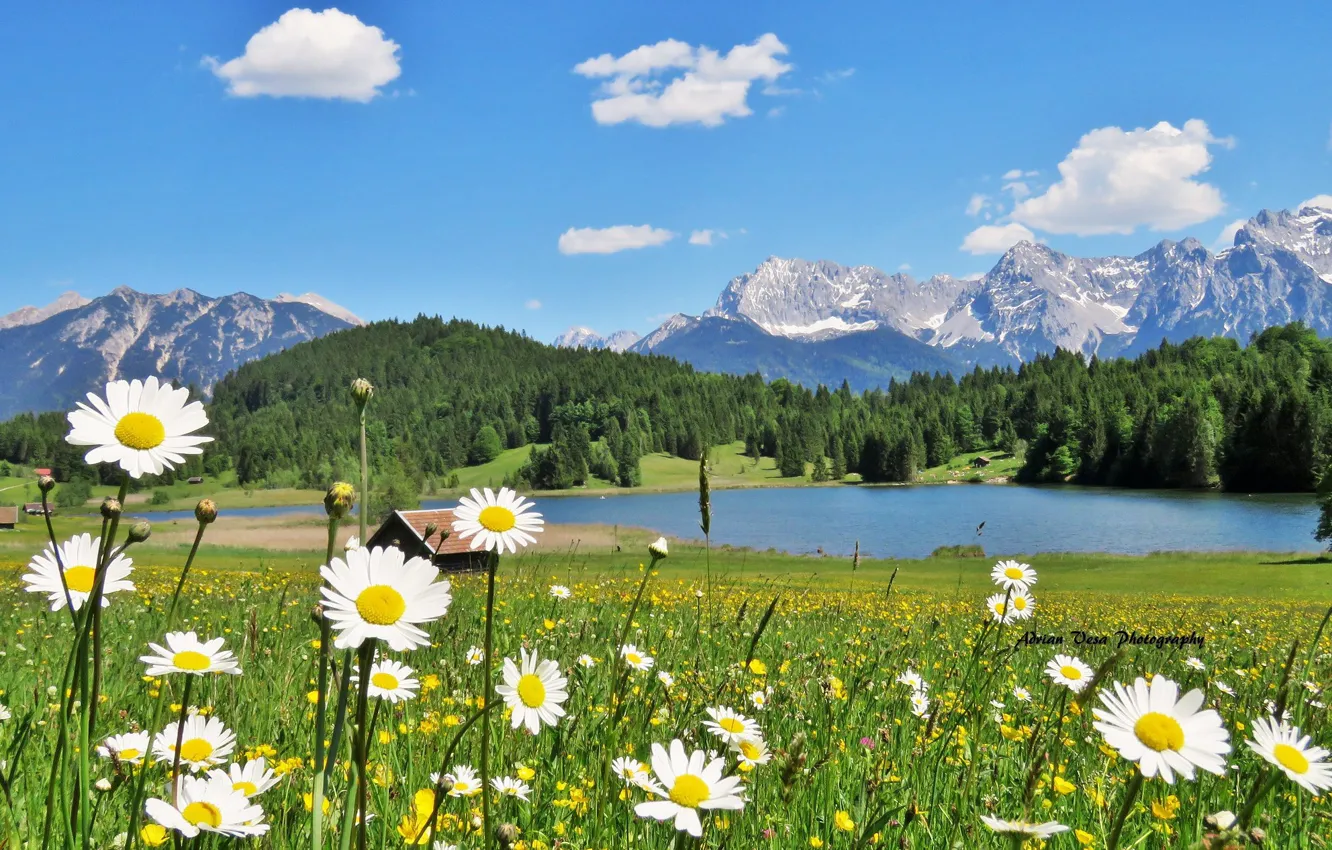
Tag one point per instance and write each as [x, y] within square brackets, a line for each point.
[428, 157]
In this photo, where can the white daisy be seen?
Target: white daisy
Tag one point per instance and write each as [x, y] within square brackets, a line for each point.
[1021, 694]
[392, 681]
[185, 653]
[759, 700]
[1023, 828]
[752, 752]
[1069, 671]
[1000, 606]
[1281, 744]
[1224, 688]
[78, 556]
[4, 714]
[496, 522]
[660, 549]
[507, 786]
[375, 593]
[144, 426]
[1163, 733]
[1022, 605]
[208, 805]
[636, 659]
[1011, 575]
[689, 782]
[632, 771]
[206, 743]
[586, 661]
[913, 680]
[251, 780]
[559, 591]
[730, 726]
[475, 656]
[666, 678]
[130, 747]
[533, 691]
[353, 542]
[920, 704]
[465, 781]
[1194, 664]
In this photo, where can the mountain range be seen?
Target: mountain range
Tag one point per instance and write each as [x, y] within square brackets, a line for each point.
[56, 354]
[820, 322]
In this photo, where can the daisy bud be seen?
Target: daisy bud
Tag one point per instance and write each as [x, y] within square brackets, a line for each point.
[110, 507]
[46, 483]
[339, 498]
[445, 783]
[317, 614]
[506, 834]
[430, 530]
[658, 548]
[140, 531]
[361, 391]
[206, 511]
[102, 784]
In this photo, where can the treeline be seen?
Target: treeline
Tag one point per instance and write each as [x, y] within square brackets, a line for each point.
[1203, 413]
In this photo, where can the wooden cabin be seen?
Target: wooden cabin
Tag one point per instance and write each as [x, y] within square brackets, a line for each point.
[8, 519]
[35, 509]
[981, 461]
[405, 530]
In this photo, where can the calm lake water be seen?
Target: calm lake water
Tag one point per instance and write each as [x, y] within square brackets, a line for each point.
[912, 521]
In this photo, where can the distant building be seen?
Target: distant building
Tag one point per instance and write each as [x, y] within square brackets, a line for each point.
[41, 472]
[405, 530]
[35, 509]
[196, 480]
[8, 518]
[981, 461]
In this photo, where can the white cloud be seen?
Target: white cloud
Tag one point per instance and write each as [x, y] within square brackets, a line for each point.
[1115, 181]
[996, 238]
[327, 54]
[1320, 201]
[610, 240]
[776, 111]
[905, 267]
[706, 237]
[1017, 189]
[1018, 174]
[1226, 238]
[977, 203]
[710, 89]
[834, 76]
[533, 304]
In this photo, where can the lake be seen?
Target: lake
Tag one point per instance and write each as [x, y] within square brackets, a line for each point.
[911, 521]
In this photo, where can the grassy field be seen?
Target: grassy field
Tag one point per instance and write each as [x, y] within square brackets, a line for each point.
[851, 763]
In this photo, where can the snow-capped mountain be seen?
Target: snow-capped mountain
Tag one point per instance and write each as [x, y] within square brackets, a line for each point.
[54, 359]
[1036, 299]
[581, 337]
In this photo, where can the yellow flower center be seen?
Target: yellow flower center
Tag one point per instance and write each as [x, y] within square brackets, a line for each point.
[191, 660]
[689, 790]
[495, 518]
[203, 813]
[80, 579]
[384, 681]
[1013, 573]
[140, 431]
[998, 607]
[128, 754]
[1070, 672]
[380, 605]
[1291, 759]
[1159, 732]
[633, 658]
[749, 750]
[1019, 603]
[249, 789]
[730, 724]
[195, 750]
[531, 691]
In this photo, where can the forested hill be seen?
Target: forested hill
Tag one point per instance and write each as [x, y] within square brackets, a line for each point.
[1203, 413]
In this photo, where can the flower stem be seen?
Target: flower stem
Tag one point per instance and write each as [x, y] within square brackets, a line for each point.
[1130, 795]
[492, 566]
[322, 764]
[180, 738]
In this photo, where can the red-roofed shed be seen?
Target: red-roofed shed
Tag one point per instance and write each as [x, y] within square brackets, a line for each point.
[406, 530]
[40, 472]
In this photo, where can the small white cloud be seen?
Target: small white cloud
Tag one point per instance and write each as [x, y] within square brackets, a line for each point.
[610, 240]
[1226, 238]
[705, 237]
[327, 54]
[834, 76]
[996, 238]
[905, 267]
[1018, 174]
[777, 91]
[977, 203]
[776, 111]
[533, 304]
[1115, 181]
[1323, 202]
[1017, 189]
[709, 87]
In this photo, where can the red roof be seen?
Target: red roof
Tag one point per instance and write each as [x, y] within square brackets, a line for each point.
[443, 520]
[41, 472]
